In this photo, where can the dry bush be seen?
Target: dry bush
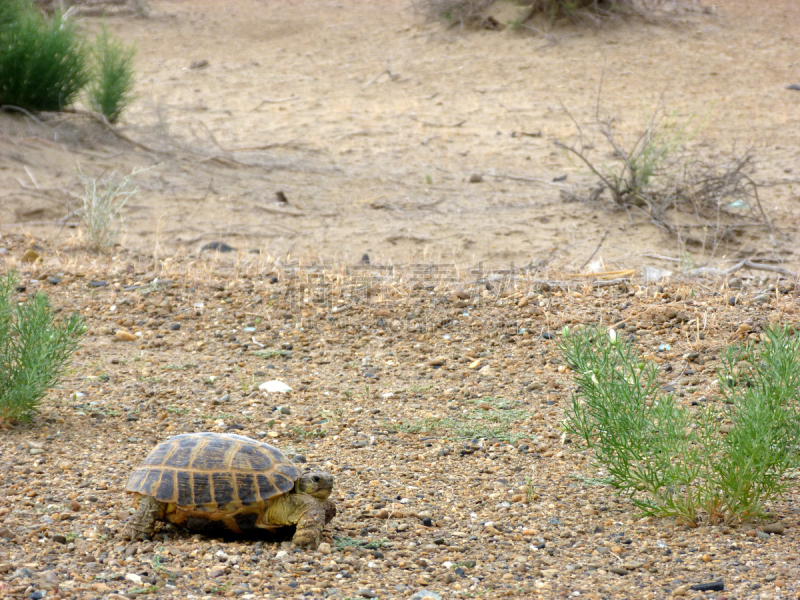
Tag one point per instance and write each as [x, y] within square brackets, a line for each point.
[455, 13]
[700, 202]
[475, 13]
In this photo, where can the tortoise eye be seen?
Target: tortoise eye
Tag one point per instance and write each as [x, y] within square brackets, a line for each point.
[315, 479]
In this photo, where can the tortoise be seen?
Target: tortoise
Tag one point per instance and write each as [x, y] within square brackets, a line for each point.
[231, 479]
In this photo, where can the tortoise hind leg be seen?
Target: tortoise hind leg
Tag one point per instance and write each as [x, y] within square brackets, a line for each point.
[149, 511]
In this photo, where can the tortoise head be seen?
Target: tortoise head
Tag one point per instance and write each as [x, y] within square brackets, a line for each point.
[315, 483]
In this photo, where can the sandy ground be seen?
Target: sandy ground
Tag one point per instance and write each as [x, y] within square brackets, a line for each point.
[372, 121]
[433, 392]
[436, 405]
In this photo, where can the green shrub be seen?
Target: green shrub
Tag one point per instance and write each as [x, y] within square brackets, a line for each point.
[43, 63]
[676, 461]
[33, 350]
[11, 11]
[112, 80]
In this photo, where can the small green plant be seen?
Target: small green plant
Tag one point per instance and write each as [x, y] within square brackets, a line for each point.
[71, 536]
[176, 367]
[340, 543]
[487, 424]
[177, 411]
[43, 62]
[34, 351]
[673, 460]
[269, 353]
[103, 199]
[530, 490]
[158, 567]
[112, 81]
[150, 589]
[302, 433]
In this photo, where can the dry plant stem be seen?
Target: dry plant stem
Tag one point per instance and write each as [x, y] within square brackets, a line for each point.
[100, 118]
[600, 243]
[430, 124]
[747, 263]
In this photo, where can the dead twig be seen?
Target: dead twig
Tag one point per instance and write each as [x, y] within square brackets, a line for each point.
[281, 101]
[430, 124]
[11, 108]
[101, 118]
[387, 71]
[528, 179]
[591, 256]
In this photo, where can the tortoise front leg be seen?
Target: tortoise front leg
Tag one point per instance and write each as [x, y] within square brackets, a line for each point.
[143, 525]
[330, 510]
[311, 523]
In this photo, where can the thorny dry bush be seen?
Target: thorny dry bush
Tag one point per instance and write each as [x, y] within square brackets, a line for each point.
[474, 13]
[700, 202]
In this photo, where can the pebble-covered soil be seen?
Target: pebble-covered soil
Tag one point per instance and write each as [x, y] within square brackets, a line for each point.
[434, 398]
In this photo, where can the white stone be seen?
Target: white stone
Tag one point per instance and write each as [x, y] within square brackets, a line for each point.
[275, 386]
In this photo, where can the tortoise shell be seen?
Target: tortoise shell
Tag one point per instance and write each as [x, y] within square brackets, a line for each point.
[212, 470]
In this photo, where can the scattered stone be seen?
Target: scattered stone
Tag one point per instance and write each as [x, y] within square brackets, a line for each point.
[324, 548]
[774, 528]
[422, 594]
[681, 590]
[218, 247]
[123, 335]
[201, 63]
[299, 458]
[281, 555]
[713, 586]
[619, 571]
[366, 593]
[274, 387]
[52, 280]
[476, 178]
[30, 255]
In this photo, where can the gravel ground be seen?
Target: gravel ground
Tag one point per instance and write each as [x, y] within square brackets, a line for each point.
[435, 400]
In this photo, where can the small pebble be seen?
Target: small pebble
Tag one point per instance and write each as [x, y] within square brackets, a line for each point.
[366, 593]
[422, 594]
[30, 255]
[218, 246]
[123, 335]
[774, 528]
